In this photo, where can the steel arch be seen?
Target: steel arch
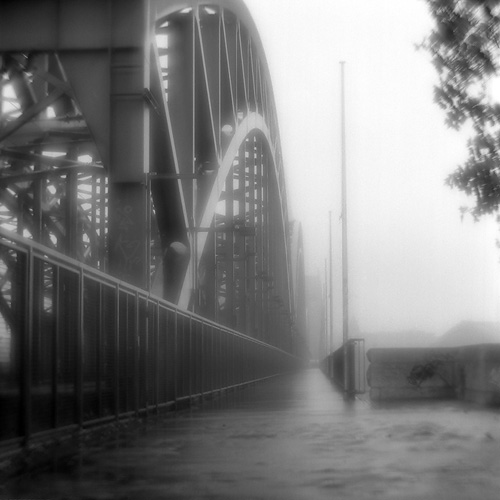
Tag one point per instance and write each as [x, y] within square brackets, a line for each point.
[173, 102]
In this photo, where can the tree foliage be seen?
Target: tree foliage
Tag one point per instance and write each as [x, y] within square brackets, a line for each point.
[465, 50]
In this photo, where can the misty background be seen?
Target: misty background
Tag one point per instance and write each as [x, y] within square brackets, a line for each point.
[417, 271]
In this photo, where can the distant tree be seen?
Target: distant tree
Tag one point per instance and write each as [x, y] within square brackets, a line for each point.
[465, 50]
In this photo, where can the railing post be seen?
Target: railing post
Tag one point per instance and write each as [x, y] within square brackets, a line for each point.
[137, 348]
[117, 352]
[157, 352]
[26, 345]
[192, 367]
[55, 342]
[99, 351]
[202, 359]
[79, 351]
[176, 356]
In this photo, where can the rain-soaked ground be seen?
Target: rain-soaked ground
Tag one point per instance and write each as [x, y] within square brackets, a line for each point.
[292, 437]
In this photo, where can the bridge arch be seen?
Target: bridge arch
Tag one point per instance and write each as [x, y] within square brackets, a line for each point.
[172, 102]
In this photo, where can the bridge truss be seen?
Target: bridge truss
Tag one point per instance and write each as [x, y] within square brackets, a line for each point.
[144, 232]
[141, 138]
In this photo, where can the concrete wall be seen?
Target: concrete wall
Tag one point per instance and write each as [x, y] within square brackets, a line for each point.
[471, 373]
[479, 374]
[412, 373]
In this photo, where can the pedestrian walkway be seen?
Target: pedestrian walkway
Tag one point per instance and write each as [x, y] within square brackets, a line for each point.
[292, 437]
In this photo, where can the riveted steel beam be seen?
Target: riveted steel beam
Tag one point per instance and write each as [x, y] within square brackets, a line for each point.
[172, 101]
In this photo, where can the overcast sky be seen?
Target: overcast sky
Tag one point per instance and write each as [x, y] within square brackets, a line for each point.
[413, 264]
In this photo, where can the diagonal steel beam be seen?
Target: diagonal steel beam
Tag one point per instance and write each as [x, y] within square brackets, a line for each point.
[31, 112]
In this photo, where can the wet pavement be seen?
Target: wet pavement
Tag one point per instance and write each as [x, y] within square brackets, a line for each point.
[291, 437]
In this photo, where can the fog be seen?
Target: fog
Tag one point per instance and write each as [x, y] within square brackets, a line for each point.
[414, 265]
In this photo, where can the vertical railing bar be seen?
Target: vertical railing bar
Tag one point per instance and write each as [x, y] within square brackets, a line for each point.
[220, 365]
[102, 222]
[144, 359]
[202, 359]
[156, 350]
[209, 358]
[233, 372]
[175, 357]
[227, 357]
[196, 350]
[190, 355]
[125, 338]
[169, 359]
[137, 352]
[117, 352]
[216, 364]
[199, 357]
[100, 345]
[55, 341]
[212, 359]
[166, 365]
[194, 357]
[223, 357]
[26, 346]
[79, 350]
[233, 376]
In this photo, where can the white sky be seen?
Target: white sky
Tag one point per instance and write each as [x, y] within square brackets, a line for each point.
[412, 263]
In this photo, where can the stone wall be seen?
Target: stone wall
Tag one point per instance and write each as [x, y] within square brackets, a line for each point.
[471, 373]
[479, 374]
[412, 373]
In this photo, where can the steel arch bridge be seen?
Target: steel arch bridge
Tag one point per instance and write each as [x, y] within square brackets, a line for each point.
[141, 176]
[141, 137]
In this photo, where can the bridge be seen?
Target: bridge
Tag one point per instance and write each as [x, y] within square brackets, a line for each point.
[146, 252]
[148, 262]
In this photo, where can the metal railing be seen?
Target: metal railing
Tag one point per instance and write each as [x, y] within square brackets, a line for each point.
[347, 366]
[79, 347]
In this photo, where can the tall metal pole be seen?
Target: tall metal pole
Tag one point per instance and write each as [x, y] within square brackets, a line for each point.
[327, 313]
[345, 266]
[345, 289]
[329, 281]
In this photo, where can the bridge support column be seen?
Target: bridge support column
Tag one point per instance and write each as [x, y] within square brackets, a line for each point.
[129, 233]
[129, 197]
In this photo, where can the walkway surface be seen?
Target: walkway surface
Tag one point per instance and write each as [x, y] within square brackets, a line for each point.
[292, 437]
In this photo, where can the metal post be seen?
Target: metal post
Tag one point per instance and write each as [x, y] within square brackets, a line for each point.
[100, 349]
[252, 284]
[117, 341]
[240, 263]
[229, 253]
[266, 250]
[345, 290]
[326, 313]
[79, 350]
[176, 356]
[26, 344]
[56, 313]
[259, 249]
[157, 352]
[329, 281]
[345, 266]
[136, 352]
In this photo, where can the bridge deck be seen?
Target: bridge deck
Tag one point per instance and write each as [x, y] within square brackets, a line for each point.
[292, 437]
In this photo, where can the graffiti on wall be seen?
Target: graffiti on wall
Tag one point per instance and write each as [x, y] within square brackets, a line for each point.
[435, 368]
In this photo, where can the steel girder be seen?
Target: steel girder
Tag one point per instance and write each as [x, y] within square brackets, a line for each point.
[141, 137]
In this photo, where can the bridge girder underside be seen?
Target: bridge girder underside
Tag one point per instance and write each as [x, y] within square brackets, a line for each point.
[141, 138]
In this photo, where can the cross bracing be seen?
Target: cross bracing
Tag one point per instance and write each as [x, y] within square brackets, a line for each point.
[141, 138]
